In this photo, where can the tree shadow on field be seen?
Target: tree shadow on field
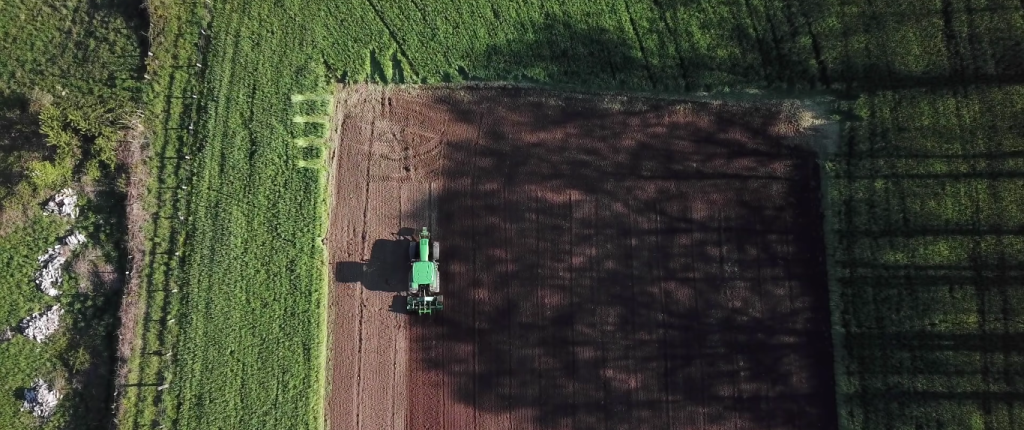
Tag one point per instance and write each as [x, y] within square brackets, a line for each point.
[925, 315]
[616, 270]
[567, 52]
[616, 263]
[560, 49]
[20, 142]
[784, 51]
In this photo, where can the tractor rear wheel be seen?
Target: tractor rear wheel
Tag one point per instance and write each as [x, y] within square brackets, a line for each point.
[435, 249]
[413, 251]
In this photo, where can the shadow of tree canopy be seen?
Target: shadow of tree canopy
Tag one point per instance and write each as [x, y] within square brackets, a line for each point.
[788, 49]
[628, 263]
[558, 50]
[906, 328]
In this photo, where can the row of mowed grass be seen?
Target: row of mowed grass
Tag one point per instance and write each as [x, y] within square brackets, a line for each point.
[248, 350]
[75, 63]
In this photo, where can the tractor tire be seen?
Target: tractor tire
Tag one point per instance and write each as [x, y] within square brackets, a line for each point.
[435, 287]
[413, 250]
[435, 249]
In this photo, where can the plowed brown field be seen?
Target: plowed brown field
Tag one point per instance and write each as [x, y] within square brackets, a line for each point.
[608, 263]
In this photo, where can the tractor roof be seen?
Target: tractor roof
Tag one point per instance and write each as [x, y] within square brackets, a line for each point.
[422, 272]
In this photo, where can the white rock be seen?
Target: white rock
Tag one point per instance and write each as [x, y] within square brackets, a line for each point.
[74, 239]
[63, 204]
[40, 326]
[41, 400]
[49, 276]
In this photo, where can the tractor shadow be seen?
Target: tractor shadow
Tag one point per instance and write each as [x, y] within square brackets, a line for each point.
[398, 302]
[385, 271]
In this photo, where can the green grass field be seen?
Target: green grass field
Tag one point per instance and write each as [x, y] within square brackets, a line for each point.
[23, 360]
[931, 86]
[80, 59]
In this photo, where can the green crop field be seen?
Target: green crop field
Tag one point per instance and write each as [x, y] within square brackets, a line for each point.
[927, 260]
[234, 286]
[923, 222]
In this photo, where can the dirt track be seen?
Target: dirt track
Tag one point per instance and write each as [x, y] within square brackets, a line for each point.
[608, 263]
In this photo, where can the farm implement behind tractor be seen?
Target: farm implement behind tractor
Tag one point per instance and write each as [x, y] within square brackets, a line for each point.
[424, 283]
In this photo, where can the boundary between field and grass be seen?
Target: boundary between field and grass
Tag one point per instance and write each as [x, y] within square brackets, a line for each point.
[323, 166]
[325, 201]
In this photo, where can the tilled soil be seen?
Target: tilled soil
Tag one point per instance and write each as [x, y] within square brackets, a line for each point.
[607, 263]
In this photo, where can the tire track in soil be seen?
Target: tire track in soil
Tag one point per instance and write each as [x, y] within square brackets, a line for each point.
[604, 266]
[492, 311]
[554, 226]
[645, 338]
[685, 299]
[620, 367]
[705, 303]
[426, 402]
[458, 268]
[345, 233]
[501, 325]
[586, 354]
[380, 328]
[660, 287]
[730, 363]
[400, 374]
[726, 270]
[476, 295]
[755, 257]
[512, 290]
[573, 313]
[760, 311]
[515, 291]
[524, 276]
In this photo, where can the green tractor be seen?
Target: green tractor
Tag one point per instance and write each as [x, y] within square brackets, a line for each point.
[424, 283]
